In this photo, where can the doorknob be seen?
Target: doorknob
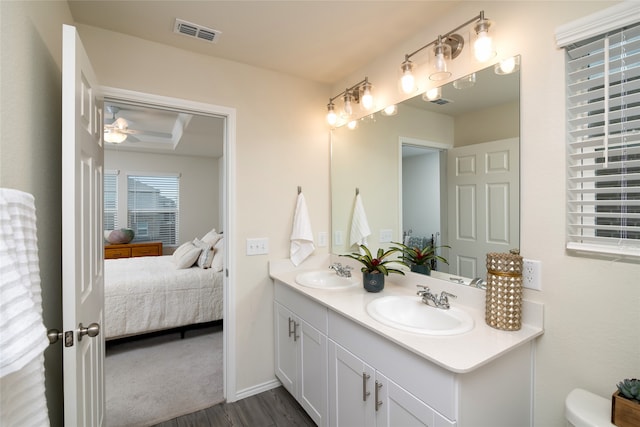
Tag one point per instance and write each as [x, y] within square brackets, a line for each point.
[54, 335]
[92, 330]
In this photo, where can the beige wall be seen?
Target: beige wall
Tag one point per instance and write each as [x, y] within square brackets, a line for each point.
[30, 145]
[490, 124]
[591, 306]
[199, 187]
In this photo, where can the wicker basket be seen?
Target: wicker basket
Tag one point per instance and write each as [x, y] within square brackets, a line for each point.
[503, 308]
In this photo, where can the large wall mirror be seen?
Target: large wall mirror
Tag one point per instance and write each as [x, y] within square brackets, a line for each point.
[444, 169]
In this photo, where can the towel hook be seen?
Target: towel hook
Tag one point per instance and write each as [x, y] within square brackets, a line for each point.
[299, 189]
[357, 191]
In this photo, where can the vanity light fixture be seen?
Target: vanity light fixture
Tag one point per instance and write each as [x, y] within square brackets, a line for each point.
[360, 93]
[352, 124]
[447, 47]
[507, 66]
[465, 82]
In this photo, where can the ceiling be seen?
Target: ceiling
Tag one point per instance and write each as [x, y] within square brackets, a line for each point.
[322, 41]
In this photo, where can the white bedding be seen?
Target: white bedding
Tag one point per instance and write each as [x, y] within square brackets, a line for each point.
[146, 294]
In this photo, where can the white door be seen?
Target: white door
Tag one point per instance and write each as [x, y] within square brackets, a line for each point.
[312, 372]
[398, 407]
[351, 389]
[286, 352]
[483, 201]
[82, 250]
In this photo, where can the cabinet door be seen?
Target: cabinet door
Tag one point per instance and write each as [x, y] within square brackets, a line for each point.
[398, 407]
[351, 383]
[312, 371]
[286, 354]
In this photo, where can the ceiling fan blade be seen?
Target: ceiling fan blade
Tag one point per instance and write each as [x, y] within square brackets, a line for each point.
[131, 138]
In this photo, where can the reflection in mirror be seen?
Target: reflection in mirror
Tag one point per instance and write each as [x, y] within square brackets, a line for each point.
[446, 169]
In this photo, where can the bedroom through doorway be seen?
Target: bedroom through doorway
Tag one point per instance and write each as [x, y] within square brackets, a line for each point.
[166, 291]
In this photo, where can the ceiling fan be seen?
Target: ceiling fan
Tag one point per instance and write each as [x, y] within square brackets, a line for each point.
[118, 130]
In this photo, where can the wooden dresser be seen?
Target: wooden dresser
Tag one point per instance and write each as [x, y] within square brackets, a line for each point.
[133, 250]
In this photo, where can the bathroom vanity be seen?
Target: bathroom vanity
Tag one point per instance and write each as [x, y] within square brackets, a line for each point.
[347, 369]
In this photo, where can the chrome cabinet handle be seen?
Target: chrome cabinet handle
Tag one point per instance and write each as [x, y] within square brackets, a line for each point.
[92, 330]
[295, 331]
[365, 393]
[378, 402]
[290, 330]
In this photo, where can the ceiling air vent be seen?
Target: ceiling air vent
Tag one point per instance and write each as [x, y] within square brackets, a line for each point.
[441, 101]
[198, 31]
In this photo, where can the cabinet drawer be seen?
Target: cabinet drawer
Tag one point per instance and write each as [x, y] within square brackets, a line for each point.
[145, 251]
[117, 253]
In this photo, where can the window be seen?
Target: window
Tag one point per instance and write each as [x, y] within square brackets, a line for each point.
[153, 208]
[603, 142]
[110, 217]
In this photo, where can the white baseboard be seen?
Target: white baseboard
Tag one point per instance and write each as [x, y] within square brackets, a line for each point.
[256, 389]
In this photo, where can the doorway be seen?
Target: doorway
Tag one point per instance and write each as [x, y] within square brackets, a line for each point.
[146, 141]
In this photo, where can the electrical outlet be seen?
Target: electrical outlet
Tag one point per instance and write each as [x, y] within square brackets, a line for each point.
[386, 235]
[338, 240]
[323, 238]
[532, 274]
[258, 246]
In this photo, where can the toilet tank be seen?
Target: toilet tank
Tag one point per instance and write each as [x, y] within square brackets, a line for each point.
[585, 409]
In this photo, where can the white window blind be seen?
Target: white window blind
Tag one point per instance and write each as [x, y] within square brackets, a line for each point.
[153, 207]
[110, 216]
[603, 90]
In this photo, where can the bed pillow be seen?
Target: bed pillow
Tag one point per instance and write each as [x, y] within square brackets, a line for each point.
[212, 237]
[189, 257]
[218, 256]
[206, 256]
[181, 250]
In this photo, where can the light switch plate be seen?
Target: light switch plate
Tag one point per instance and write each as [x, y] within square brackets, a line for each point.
[386, 235]
[323, 238]
[258, 246]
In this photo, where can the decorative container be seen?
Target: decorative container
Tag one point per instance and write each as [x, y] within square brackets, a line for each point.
[118, 237]
[503, 308]
[373, 282]
[421, 268]
[624, 412]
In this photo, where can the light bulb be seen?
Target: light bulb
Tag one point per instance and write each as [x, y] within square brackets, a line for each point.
[114, 136]
[407, 81]
[432, 94]
[390, 110]
[332, 117]
[367, 98]
[507, 66]
[483, 47]
[352, 124]
[440, 71]
[347, 109]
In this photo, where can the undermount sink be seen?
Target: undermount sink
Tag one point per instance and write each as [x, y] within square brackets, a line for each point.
[412, 315]
[325, 279]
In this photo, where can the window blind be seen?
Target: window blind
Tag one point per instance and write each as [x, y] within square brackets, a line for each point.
[603, 106]
[110, 216]
[153, 207]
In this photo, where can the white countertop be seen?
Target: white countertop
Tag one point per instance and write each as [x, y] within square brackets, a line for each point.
[457, 353]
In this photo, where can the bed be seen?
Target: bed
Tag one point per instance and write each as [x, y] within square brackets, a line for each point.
[148, 294]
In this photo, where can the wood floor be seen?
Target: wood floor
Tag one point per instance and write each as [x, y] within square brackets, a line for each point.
[273, 408]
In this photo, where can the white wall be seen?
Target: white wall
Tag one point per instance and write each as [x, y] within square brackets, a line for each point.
[591, 338]
[30, 146]
[421, 194]
[199, 187]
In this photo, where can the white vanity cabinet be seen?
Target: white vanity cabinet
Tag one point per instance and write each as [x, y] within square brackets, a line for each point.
[301, 350]
[361, 396]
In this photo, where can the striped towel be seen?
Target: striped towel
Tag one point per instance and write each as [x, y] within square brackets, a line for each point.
[23, 336]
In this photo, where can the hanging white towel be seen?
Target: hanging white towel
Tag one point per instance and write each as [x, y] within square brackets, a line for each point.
[23, 336]
[359, 225]
[302, 235]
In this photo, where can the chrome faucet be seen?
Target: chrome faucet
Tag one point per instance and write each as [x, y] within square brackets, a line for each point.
[478, 282]
[341, 270]
[428, 298]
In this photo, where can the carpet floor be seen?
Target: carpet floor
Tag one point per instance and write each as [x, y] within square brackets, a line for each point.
[150, 380]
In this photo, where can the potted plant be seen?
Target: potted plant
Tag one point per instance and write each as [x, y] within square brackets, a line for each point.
[625, 405]
[375, 268]
[420, 259]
